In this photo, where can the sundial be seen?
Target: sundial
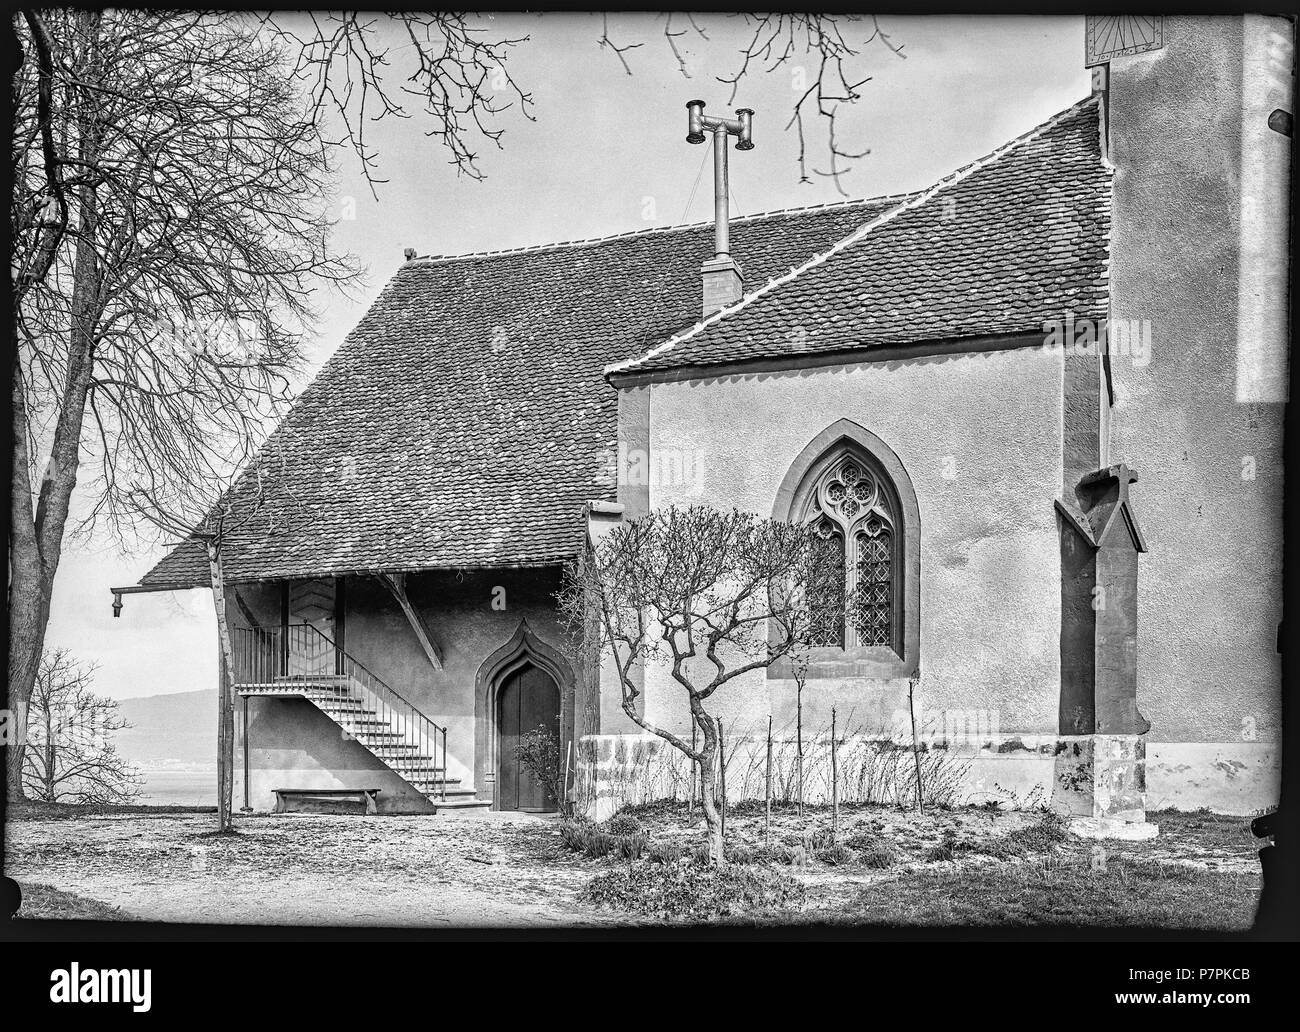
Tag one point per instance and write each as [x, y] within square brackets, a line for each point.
[1118, 35]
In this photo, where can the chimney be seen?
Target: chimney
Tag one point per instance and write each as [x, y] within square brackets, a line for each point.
[722, 279]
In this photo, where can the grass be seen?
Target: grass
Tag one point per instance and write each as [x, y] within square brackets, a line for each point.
[1208, 830]
[46, 903]
[972, 866]
[1064, 890]
[1047, 831]
[690, 891]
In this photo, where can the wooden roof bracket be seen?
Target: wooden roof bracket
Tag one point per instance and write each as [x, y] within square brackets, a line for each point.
[396, 583]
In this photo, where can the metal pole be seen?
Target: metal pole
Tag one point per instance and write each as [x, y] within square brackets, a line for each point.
[721, 215]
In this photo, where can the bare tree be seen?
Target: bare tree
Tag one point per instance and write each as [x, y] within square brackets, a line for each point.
[166, 331]
[713, 595]
[70, 756]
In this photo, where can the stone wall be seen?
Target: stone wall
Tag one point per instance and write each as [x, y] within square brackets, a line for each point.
[1207, 446]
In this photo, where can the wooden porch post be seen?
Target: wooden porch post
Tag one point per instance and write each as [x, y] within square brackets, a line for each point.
[284, 628]
[247, 806]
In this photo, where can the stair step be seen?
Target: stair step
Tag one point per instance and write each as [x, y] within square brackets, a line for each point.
[461, 804]
[389, 746]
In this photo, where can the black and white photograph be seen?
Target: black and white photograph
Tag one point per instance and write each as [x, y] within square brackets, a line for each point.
[676, 475]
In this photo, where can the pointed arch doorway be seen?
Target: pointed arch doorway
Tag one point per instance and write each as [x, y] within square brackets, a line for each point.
[523, 684]
[528, 699]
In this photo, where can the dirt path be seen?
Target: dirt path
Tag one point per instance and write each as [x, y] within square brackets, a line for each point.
[426, 871]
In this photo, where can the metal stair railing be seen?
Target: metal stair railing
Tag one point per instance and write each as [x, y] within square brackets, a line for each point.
[270, 658]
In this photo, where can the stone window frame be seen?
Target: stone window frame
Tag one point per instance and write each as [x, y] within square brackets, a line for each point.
[793, 498]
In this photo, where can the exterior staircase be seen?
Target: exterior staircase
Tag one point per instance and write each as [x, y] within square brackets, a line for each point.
[387, 726]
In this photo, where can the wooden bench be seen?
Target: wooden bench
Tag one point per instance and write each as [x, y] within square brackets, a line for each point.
[326, 800]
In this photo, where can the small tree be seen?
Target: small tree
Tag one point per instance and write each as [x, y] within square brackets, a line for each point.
[714, 594]
[539, 754]
[70, 756]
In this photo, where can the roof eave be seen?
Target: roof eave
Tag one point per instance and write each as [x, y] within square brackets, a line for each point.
[886, 352]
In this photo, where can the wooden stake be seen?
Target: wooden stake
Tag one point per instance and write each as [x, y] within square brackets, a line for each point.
[835, 784]
[568, 761]
[799, 742]
[767, 792]
[722, 764]
[690, 806]
[916, 753]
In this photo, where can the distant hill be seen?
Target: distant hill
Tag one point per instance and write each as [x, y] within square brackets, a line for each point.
[176, 731]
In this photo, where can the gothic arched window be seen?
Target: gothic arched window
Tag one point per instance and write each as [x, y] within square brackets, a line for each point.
[853, 507]
[853, 490]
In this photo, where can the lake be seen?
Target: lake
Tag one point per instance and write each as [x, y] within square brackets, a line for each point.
[178, 788]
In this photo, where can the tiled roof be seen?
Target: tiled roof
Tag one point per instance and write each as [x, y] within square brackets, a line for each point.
[466, 419]
[997, 248]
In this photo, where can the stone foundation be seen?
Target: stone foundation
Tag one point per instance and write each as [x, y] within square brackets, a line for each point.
[1101, 781]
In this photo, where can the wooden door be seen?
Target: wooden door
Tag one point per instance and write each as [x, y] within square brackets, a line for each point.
[528, 699]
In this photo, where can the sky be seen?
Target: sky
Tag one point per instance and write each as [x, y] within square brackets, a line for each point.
[607, 153]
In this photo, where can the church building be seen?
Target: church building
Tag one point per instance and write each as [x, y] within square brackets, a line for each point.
[1037, 406]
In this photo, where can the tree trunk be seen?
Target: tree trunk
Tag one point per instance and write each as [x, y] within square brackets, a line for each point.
[708, 800]
[15, 751]
[36, 532]
[225, 698]
[708, 781]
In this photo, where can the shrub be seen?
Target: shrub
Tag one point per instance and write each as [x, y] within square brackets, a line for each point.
[630, 847]
[837, 854]
[601, 844]
[575, 835]
[879, 855]
[1041, 836]
[690, 891]
[539, 754]
[669, 852]
[740, 853]
[947, 849]
[624, 824]
[871, 850]
[777, 854]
